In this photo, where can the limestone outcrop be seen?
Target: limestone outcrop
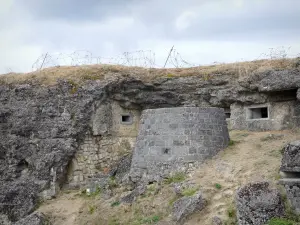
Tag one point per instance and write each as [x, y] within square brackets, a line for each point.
[257, 203]
[42, 126]
[186, 206]
[290, 171]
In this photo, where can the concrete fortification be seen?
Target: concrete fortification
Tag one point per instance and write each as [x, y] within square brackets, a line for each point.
[177, 139]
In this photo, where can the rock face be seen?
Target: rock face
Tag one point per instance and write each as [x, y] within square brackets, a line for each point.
[43, 126]
[186, 206]
[173, 139]
[291, 157]
[290, 169]
[34, 219]
[256, 203]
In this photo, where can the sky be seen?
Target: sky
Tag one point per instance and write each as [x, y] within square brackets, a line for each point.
[202, 32]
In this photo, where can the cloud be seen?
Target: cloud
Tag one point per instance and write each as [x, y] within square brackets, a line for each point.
[202, 31]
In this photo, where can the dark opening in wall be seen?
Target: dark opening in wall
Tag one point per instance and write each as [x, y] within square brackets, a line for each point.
[227, 113]
[283, 95]
[258, 113]
[126, 119]
[290, 175]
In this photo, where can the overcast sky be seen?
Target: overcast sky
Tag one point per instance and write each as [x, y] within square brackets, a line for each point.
[202, 31]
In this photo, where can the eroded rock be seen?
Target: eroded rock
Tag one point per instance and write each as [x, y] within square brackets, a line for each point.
[291, 157]
[186, 206]
[256, 203]
[36, 218]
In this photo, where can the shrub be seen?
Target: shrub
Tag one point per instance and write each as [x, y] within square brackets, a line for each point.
[117, 203]
[218, 186]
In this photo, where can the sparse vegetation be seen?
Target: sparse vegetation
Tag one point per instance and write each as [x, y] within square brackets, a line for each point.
[116, 203]
[232, 142]
[80, 74]
[281, 221]
[189, 191]
[91, 209]
[112, 182]
[176, 178]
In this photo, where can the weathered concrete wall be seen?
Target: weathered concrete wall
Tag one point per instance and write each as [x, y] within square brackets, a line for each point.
[111, 139]
[282, 115]
[174, 139]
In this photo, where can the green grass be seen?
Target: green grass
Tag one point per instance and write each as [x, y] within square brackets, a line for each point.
[177, 178]
[281, 221]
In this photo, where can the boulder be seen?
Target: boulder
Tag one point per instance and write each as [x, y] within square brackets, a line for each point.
[217, 221]
[186, 206]
[35, 218]
[291, 157]
[18, 199]
[256, 203]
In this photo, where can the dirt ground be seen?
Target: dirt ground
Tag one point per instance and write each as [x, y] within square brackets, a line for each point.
[252, 156]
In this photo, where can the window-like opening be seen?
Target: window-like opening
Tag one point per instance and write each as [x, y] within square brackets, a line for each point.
[290, 175]
[227, 115]
[259, 113]
[126, 119]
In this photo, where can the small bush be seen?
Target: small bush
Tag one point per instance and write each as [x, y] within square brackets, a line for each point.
[177, 178]
[117, 203]
[218, 186]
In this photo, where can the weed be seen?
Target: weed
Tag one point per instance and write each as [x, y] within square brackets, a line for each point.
[232, 142]
[91, 209]
[74, 86]
[178, 177]
[218, 186]
[112, 183]
[189, 191]
[117, 203]
[150, 220]
[231, 212]
[151, 188]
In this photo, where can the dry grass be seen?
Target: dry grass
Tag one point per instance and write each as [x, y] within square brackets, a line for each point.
[249, 159]
[79, 74]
